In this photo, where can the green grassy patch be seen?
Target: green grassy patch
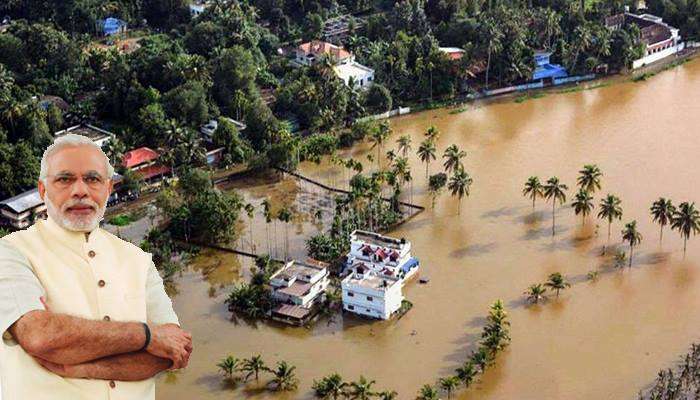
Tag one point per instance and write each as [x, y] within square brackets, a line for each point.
[581, 88]
[121, 220]
[529, 96]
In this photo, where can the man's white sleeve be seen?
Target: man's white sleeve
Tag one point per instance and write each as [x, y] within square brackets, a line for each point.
[159, 307]
[20, 289]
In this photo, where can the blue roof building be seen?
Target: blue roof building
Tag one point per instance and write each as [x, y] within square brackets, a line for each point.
[111, 26]
[545, 70]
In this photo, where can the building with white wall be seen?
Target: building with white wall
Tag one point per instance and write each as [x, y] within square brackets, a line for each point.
[297, 287]
[369, 294]
[660, 39]
[382, 254]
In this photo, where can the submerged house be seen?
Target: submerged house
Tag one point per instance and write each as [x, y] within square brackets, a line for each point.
[299, 289]
[545, 70]
[660, 39]
[369, 294]
[344, 64]
[377, 268]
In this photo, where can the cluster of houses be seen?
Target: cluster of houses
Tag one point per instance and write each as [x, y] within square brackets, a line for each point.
[375, 271]
[344, 64]
[22, 210]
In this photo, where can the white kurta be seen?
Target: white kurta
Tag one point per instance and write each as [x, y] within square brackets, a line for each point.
[98, 276]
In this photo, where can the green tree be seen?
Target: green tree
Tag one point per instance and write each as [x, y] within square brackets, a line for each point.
[449, 384]
[459, 186]
[535, 293]
[557, 282]
[631, 236]
[427, 392]
[435, 185]
[284, 377]
[229, 366]
[330, 387]
[583, 204]
[426, 152]
[432, 133]
[662, 211]
[453, 158]
[404, 142]
[362, 389]
[378, 137]
[284, 215]
[610, 209]
[556, 191]
[533, 189]
[466, 373]
[589, 178]
[253, 366]
[686, 220]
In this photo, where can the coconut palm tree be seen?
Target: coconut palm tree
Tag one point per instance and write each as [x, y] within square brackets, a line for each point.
[378, 137]
[250, 211]
[589, 178]
[453, 156]
[535, 293]
[404, 142]
[267, 213]
[229, 366]
[557, 192]
[557, 282]
[662, 211]
[426, 152]
[449, 384]
[435, 185]
[686, 220]
[432, 133]
[582, 204]
[285, 378]
[631, 236]
[610, 209]
[362, 389]
[285, 216]
[533, 189]
[330, 387]
[388, 395]
[253, 366]
[466, 373]
[459, 186]
[427, 392]
[480, 358]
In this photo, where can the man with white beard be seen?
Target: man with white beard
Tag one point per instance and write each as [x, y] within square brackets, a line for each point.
[83, 314]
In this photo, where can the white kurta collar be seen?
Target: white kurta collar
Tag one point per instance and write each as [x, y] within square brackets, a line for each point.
[73, 239]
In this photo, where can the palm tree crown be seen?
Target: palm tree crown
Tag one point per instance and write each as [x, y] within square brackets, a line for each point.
[631, 236]
[662, 211]
[533, 189]
[686, 220]
[589, 178]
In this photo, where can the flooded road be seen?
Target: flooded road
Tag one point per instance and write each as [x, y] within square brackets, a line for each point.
[602, 339]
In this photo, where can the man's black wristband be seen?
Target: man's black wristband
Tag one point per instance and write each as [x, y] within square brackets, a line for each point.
[148, 336]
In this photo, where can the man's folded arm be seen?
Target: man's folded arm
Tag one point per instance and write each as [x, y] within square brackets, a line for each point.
[135, 366]
[64, 339]
[55, 337]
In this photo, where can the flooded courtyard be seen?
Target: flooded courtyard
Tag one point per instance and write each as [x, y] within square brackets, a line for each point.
[601, 339]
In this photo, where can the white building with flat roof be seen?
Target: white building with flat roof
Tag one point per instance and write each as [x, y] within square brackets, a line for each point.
[297, 287]
[362, 76]
[382, 254]
[368, 294]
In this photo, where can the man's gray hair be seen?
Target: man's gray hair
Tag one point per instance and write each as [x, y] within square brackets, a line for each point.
[70, 140]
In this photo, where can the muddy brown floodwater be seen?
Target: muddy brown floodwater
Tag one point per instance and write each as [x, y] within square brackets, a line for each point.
[604, 339]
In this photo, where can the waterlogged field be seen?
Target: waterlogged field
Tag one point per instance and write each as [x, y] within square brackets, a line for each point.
[602, 339]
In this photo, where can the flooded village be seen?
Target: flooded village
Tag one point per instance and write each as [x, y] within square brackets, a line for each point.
[355, 201]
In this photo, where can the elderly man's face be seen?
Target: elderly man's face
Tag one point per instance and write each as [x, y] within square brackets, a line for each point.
[77, 187]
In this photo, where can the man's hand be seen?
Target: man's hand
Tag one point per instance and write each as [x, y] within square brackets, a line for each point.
[171, 342]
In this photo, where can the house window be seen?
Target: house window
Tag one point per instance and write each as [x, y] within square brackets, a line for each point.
[351, 307]
[369, 311]
[351, 294]
[369, 298]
